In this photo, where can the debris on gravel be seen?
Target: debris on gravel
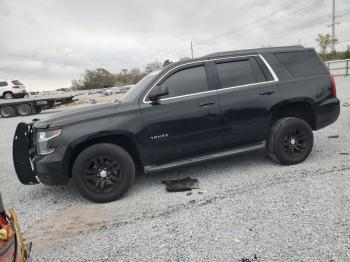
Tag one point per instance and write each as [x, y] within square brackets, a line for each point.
[335, 136]
[180, 185]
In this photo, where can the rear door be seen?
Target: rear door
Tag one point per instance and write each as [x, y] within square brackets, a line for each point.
[247, 90]
[185, 122]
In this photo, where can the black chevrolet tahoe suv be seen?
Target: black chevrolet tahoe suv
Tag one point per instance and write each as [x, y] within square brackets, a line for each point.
[190, 111]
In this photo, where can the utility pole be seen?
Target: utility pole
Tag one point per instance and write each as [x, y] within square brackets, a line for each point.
[333, 25]
[191, 50]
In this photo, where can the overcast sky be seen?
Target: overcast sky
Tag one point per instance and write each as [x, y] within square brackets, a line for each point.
[46, 44]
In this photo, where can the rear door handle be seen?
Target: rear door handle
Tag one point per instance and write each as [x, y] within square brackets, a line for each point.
[206, 104]
[267, 93]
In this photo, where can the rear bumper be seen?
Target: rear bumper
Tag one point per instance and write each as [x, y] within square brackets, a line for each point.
[327, 112]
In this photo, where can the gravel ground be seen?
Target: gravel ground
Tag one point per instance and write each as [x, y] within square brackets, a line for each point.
[247, 207]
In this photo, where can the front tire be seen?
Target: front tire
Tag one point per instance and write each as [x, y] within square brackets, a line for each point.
[290, 141]
[6, 111]
[103, 172]
[8, 95]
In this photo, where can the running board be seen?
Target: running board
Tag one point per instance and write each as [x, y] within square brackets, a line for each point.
[202, 158]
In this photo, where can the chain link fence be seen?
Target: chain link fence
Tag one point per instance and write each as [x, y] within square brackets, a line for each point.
[339, 67]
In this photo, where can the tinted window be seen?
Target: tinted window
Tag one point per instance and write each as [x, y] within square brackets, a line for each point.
[187, 81]
[16, 82]
[235, 73]
[300, 64]
[3, 83]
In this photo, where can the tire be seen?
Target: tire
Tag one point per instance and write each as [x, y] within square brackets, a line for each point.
[8, 95]
[103, 172]
[6, 111]
[24, 109]
[290, 141]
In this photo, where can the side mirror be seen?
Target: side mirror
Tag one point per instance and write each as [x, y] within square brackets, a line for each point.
[158, 92]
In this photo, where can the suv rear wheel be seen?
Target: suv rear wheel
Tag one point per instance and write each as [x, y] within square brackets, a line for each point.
[103, 172]
[290, 141]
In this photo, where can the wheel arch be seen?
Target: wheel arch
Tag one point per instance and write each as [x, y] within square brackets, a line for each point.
[122, 139]
[302, 108]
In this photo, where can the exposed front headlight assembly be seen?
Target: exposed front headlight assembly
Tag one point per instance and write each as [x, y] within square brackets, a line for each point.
[42, 139]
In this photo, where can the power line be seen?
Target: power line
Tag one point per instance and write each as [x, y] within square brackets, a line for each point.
[265, 19]
[242, 29]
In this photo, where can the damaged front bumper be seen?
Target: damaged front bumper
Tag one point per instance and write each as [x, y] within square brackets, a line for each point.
[31, 168]
[22, 152]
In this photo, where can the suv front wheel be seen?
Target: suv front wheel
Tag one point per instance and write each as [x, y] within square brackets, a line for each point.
[290, 141]
[8, 95]
[103, 172]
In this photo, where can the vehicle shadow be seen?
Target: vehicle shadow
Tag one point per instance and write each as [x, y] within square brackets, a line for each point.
[68, 194]
[208, 168]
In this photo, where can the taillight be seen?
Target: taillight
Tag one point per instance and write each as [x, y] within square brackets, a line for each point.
[15, 86]
[334, 88]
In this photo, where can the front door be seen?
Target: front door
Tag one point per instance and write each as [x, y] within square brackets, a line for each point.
[185, 122]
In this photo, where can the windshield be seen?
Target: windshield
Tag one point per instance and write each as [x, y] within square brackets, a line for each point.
[135, 91]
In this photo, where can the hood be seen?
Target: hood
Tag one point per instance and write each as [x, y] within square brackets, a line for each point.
[83, 113]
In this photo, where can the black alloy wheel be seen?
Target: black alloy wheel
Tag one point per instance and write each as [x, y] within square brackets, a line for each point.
[103, 172]
[294, 142]
[290, 141]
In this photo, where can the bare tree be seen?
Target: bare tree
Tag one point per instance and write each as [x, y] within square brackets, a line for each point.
[325, 42]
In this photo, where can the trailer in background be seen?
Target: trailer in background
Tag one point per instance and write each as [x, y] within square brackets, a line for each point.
[32, 105]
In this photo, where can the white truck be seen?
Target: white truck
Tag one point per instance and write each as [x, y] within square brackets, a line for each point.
[32, 105]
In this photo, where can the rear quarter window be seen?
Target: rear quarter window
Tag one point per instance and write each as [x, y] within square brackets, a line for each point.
[301, 64]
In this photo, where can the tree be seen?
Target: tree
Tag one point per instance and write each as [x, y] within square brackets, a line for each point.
[152, 67]
[91, 79]
[347, 52]
[101, 78]
[325, 42]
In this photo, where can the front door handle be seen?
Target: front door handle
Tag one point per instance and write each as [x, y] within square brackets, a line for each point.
[206, 104]
[267, 93]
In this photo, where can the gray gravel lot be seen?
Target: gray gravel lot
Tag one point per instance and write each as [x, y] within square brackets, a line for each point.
[247, 206]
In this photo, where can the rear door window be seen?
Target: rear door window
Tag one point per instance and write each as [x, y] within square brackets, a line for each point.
[238, 72]
[3, 83]
[187, 81]
[301, 64]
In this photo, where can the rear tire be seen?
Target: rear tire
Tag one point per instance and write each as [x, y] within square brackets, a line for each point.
[24, 110]
[290, 141]
[7, 111]
[103, 172]
[8, 95]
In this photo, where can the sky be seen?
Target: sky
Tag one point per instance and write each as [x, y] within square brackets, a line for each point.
[46, 44]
